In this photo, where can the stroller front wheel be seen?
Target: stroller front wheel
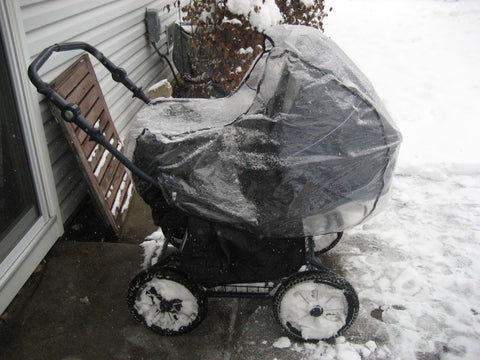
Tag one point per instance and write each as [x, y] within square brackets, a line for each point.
[166, 302]
[315, 305]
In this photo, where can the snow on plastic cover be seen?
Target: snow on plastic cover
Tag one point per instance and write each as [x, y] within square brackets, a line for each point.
[303, 147]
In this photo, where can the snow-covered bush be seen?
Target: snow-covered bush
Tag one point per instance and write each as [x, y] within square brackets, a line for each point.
[227, 34]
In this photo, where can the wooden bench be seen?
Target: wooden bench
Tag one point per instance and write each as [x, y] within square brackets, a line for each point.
[107, 178]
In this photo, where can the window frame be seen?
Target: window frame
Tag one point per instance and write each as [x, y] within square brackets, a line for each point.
[22, 260]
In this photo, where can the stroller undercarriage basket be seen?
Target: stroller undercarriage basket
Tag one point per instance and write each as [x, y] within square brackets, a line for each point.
[242, 186]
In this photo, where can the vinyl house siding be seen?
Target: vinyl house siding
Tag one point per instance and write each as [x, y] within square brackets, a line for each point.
[117, 29]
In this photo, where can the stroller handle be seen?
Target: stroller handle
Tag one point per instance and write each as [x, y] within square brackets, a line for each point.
[72, 113]
[118, 74]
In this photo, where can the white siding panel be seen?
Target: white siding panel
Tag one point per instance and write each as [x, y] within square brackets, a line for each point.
[25, 3]
[77, 191]
[73, 27]
[41, 14]
[117, 29]
[100, 37]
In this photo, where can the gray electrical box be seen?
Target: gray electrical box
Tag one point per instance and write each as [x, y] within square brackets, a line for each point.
[152, 21]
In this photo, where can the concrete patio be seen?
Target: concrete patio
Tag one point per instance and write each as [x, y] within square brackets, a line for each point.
[74, 307]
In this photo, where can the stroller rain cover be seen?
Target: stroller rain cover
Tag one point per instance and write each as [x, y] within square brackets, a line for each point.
[303, 147]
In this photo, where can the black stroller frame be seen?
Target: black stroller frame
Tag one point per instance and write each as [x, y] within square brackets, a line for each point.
[316, 277]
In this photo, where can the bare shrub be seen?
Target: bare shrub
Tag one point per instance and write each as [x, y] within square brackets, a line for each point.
[226, 39]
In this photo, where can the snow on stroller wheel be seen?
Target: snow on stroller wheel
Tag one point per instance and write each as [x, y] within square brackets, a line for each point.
[166, 302]
[315, 305]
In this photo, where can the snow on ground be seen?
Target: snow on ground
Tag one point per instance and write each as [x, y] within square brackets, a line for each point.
[415, 264]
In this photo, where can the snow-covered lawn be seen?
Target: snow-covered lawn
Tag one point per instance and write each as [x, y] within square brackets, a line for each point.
[415, 265]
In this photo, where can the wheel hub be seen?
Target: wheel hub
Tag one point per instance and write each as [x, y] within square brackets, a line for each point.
[173, 306]
[317, 311]
[165, 306]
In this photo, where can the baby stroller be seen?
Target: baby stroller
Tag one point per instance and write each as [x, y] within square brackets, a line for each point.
[246, 188]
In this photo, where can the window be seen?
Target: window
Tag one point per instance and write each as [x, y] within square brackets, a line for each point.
[18, 203]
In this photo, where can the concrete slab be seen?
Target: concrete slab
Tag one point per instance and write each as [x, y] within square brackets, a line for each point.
[74, 307]
[78, 311]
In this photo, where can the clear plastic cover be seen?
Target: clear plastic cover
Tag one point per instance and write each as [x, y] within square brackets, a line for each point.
[303, 147]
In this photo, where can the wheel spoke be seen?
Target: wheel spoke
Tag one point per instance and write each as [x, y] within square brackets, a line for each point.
[330, 310]
[329, 299]
[316, 293]
[157, 317]
[306, 316]
[189, 316]
[298, 293]
[305, 324]
[336, 319]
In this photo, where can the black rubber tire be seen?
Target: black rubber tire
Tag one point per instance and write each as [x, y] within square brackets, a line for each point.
[139, 283]
[317, 277]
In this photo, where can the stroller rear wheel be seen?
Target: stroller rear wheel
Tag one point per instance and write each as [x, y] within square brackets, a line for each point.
[315, 305]
[166, 302]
